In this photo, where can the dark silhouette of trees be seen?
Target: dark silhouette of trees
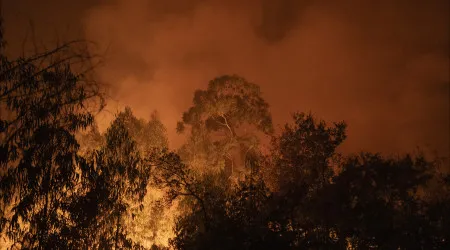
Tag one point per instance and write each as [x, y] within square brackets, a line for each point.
[299, 167]
[248, 215]
[43, 103]
[303, 154]
[319, 200]
[65, 185]
[236, 217]
[374, 202]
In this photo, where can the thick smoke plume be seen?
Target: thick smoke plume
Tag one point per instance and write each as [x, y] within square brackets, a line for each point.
[382, 66]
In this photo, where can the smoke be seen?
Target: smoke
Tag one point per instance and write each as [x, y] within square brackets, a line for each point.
[382, 66]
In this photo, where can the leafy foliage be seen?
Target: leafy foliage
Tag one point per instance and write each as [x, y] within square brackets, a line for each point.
[231, 216]
[220, 119]
[43, 104]
[374, 202]
[317, 202]
[145, 222]
[302, 155]
[118, 180]
[229, 101]
[148, 135]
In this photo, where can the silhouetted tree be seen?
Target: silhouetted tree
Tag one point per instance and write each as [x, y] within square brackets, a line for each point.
[300, 165]
[43, 102]
[145, 224]
[223, 120]
[118, 181]
[143, 220]
[236, 214]
[318, 202]
[195, 191]
[374, 202]
[303, 154]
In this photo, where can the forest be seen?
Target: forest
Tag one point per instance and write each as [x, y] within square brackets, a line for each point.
[235, 183]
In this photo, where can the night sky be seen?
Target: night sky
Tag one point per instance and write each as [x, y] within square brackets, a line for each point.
[382, 66]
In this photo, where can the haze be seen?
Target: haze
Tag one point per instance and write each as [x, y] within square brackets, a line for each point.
[382, 66]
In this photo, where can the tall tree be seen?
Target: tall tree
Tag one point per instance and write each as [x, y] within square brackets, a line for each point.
[300, 165]
[223, 122]
[148, 222]
[223, 119]
[118, 181]
[151, 224]
[43, 101]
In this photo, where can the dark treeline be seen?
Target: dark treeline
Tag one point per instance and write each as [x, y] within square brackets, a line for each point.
[65, 185]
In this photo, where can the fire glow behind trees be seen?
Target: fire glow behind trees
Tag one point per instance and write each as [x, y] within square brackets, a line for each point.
[233, 179]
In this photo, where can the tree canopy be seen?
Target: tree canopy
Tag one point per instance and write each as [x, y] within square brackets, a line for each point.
[223, 121]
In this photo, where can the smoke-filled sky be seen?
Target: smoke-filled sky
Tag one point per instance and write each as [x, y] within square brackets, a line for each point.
[382, 66]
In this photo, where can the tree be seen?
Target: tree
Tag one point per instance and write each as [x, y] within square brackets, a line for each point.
[236, 216]
[303, 154]
[197, 192]
[220, 119]
[118, 181]
[43, 101]
[148, 135]
[365, 201]
[299, 166]
[148, 222]
[374, 202]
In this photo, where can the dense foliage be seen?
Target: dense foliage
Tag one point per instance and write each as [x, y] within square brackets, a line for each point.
[223, 121]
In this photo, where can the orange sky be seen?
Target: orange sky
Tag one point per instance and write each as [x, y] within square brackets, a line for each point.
[382, 66]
